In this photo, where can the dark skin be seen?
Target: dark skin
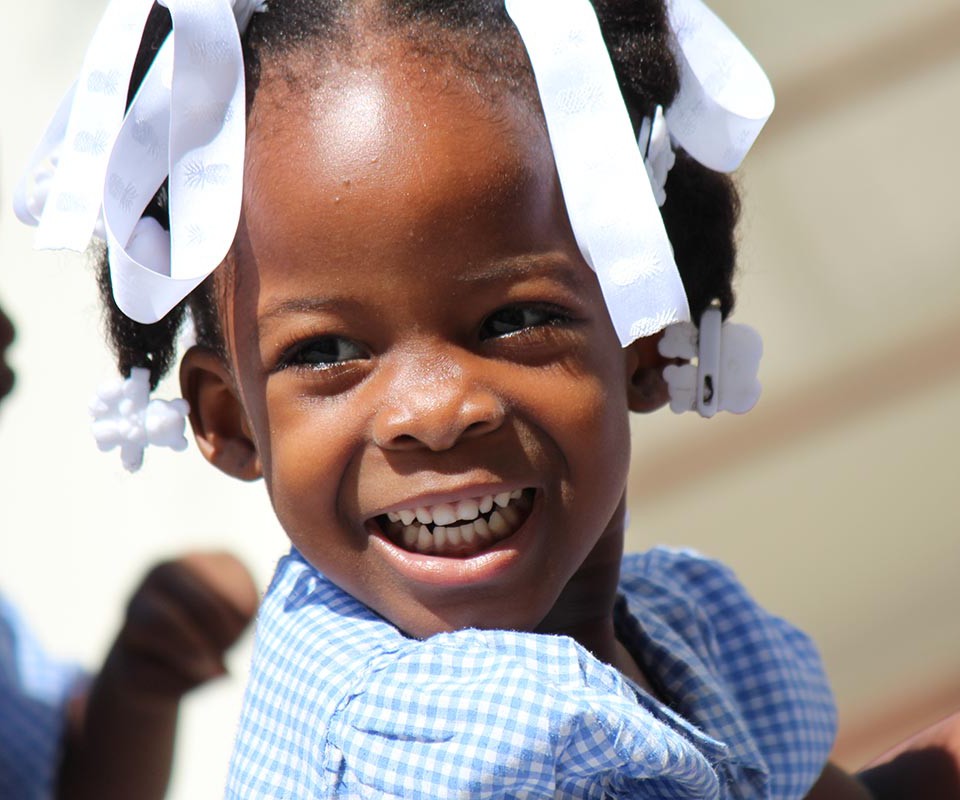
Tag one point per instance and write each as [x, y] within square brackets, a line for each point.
[180, 621]
[408, 321]
[6, 339]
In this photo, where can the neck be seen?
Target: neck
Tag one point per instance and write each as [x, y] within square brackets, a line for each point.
[584, 609]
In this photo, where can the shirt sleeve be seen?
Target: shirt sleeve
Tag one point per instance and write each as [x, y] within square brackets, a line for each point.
[34, 690]
[494, 714]
[771, 669]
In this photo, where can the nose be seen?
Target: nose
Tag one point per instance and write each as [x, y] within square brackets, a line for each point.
[435, 402]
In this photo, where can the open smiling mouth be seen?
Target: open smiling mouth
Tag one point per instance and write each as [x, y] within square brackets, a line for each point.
[458, 530]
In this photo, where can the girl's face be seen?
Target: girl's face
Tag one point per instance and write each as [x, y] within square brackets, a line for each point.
[415, 341]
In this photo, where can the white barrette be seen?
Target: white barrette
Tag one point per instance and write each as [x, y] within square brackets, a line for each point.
[124, 416]
[186, 122]
[658, 155]
[723, 102]
[724, 377]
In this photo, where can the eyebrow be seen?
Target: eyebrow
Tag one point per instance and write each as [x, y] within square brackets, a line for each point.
[304, 305]
[528, 266]
[513, 268]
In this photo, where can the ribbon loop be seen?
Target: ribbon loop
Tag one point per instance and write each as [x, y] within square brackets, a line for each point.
[80, 141]
[187, 122]
[725, 98]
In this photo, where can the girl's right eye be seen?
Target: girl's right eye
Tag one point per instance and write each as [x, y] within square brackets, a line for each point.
[322, 352]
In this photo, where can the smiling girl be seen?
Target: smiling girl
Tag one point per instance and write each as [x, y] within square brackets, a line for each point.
[416, 340]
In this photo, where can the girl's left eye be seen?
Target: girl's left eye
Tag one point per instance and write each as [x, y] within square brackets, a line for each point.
[514, 319]
[322, 352]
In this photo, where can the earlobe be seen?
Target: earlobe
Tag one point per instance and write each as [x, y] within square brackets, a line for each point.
[217, 416]
[646, 389]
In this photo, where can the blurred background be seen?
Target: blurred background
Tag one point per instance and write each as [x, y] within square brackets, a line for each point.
[836, 500]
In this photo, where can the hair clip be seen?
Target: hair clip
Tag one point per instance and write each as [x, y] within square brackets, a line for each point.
[124, 416]
[724, 377]
[658, 154]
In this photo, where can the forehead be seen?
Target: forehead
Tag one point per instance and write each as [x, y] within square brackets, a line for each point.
[431, 138]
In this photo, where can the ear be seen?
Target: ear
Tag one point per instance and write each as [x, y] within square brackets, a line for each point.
[217, 416]
[646, 389]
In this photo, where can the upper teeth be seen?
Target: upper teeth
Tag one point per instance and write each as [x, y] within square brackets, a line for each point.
[447, 513]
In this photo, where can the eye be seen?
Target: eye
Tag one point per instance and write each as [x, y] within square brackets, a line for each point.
[322, 352]
[514, 319]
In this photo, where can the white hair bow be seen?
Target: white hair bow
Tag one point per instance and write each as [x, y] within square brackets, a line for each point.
[724, 101]
[99, 164]
[97, 167]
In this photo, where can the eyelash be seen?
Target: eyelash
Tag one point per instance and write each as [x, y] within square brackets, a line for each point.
[298, 355]
[549, 316]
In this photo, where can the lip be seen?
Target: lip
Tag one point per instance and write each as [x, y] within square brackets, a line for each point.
[443, 571]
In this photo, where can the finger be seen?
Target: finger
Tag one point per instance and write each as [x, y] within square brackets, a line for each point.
[212, 595]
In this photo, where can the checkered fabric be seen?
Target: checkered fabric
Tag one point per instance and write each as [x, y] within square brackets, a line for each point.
[33, 693]
[341, 705]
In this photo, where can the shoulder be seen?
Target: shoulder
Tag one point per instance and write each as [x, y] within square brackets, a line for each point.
[770, 671]
[703, 599]
[501, 713]
[679, 571]
[468, 714]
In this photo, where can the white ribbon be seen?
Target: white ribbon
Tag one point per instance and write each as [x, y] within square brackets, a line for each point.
[187, 122]
[725, 98]
[188, 118]
[80, 137]
[605, 185]
[612, 203]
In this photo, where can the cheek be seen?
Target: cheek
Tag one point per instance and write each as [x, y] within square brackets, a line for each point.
[598, 431]
[310, 445]
[583, 409]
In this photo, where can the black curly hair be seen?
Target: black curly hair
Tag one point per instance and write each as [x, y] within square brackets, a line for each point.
[702, 206]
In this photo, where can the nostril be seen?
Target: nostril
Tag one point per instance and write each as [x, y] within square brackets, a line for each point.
[479, 428]
[405, 441]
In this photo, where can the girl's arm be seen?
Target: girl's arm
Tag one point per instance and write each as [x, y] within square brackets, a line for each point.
[179, 623]
[926, 766]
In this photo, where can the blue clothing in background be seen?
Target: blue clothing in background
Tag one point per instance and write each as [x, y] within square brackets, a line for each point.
[340, 704]
[34, 690]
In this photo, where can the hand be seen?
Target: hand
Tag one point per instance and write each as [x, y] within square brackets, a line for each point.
[180, 622]
[178, 625]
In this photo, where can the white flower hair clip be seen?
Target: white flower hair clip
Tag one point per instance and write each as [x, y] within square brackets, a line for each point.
[724, 377]
[124, 416]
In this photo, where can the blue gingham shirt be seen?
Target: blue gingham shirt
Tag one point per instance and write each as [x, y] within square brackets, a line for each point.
[33, 694]
[342, 705]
